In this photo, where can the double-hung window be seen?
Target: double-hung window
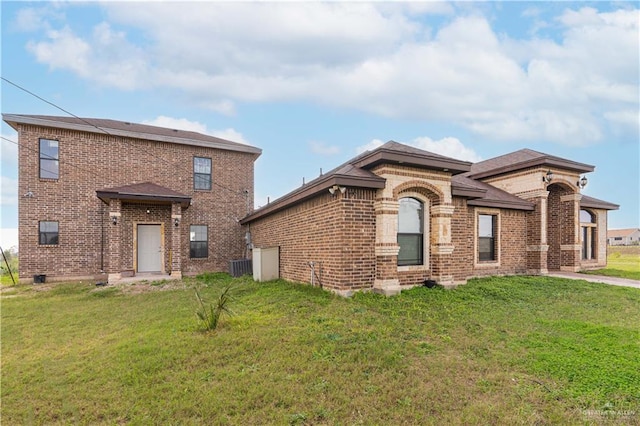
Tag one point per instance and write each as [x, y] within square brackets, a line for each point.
[198, 242]
[410, 232]
[202, 173]
[49, 159]
[487, 230]
[48, 233]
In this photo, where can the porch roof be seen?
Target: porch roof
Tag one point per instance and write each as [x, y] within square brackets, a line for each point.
[144, 192]
[594, 203]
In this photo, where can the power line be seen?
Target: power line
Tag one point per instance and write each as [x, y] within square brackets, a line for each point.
[119, 138]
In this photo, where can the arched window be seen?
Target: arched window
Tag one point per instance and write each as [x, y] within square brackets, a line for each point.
[588, 234]
[410, 232]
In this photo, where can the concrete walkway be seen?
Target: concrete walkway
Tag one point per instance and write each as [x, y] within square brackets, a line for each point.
[624, 282]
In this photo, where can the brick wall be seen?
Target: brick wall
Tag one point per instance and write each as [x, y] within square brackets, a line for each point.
[336, 232]
[89, 162]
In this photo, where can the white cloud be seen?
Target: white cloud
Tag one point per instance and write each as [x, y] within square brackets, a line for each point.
[448, 146]
[9, 196]
[322, 148]
[9, 238]
[376, 57]
[229, 134]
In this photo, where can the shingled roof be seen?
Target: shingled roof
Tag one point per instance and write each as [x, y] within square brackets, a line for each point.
[594, 203]
[132, 130]
[355, 174]
[145, 191]
[523, 159]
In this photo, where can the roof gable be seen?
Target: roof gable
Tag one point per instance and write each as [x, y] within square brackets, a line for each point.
[396, 153]
[523, 159]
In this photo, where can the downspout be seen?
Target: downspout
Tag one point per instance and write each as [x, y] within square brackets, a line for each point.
[102, 239]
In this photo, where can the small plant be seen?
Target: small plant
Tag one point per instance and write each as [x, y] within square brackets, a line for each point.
[210, 315]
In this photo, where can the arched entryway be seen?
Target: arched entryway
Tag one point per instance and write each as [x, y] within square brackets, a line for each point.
[563, 207]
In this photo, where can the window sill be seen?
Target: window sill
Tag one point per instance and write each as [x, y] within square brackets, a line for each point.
[49, 180]
[411, 268]
[487, 264]
[48, 245]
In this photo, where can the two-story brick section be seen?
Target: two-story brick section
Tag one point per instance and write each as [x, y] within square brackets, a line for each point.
[398, 216]
[110, 198]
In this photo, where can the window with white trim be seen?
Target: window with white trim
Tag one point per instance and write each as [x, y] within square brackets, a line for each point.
[411, 232]
[487, 237]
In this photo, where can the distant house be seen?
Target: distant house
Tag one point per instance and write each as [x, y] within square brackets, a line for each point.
[398, 216]
[623, 237]
[105, 198]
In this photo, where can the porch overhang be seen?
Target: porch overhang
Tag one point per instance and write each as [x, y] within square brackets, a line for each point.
[146, 192]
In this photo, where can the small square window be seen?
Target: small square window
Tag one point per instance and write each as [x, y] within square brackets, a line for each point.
[198, 242]
[48, 233]
[202, 173]
[49, 159]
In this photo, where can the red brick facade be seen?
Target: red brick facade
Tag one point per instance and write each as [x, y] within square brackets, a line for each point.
[90, 244]
[354, 236]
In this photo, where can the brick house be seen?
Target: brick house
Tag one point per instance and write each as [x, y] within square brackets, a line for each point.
[109, 199]
[397, 216]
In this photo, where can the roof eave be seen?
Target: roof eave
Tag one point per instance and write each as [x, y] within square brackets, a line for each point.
[311, 190]
[14, 119]
[554, 162]
[106, 196]
[501, 204]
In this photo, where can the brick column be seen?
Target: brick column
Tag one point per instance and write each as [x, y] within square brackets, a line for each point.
[386, 247]
[441, 245]
[176, 240]
[570, 247]
[114, 240]
[537, 245]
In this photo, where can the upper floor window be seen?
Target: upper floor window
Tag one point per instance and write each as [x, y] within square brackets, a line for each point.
[48, 233]
[49, 159]
[487, 231]
[198, 241]
[410, 232]
[202, 173]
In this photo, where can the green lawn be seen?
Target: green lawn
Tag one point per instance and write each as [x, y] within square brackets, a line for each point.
[510, 350]
[622, 261]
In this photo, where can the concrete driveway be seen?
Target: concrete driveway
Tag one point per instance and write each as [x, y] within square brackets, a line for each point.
[624, 282]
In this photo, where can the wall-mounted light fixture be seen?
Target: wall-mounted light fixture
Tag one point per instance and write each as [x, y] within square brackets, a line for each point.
[176, 221]
[582, 182]
[114, 220]
[548, 177]
[29, 194]
[335, 188]
[148, 211]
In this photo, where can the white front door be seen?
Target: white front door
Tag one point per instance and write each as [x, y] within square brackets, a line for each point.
[149, 248]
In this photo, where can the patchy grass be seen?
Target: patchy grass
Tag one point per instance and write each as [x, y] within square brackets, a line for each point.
[510, 350]
[622, 261]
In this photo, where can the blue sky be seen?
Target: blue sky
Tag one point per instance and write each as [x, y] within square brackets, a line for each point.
[313, 84]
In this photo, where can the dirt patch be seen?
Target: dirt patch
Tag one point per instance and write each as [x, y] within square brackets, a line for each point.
[139, 287]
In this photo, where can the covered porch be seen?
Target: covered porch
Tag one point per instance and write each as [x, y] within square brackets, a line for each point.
[143, 238]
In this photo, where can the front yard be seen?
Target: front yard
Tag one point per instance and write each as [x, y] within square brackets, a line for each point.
[511, 350]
